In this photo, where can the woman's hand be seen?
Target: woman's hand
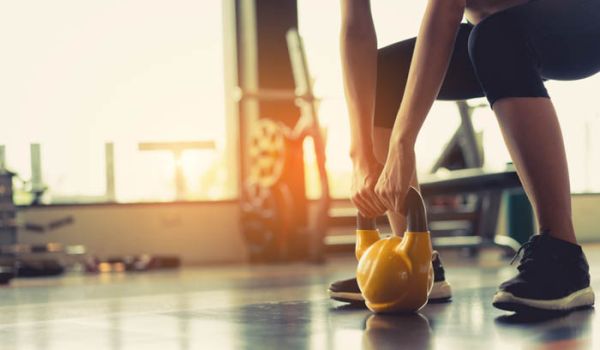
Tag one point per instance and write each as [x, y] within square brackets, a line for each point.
[396, 176]
[364, 177]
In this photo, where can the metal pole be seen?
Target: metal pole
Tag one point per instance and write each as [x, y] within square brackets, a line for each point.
[2, 158]
[109, 159]
[36, 167]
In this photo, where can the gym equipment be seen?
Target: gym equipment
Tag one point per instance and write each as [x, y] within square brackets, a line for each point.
[29, 260]
[481, 217]
[267, 218]
[519, 216]
[39, 260]
[134, 263]
[267, 153]
[7, 273]
[40, 268]
[8, 225]
[395, 274]
[464, 150]
[271, 215]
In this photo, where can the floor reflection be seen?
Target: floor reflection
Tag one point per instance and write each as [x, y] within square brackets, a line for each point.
[271, 308]
[572, 330]
[397, 332]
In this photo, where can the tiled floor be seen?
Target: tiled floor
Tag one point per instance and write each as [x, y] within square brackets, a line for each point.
[272, 307]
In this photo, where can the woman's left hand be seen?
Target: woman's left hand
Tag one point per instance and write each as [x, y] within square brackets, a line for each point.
[396, 177]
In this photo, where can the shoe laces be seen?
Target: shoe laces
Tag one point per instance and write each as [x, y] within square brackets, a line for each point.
[527, 250]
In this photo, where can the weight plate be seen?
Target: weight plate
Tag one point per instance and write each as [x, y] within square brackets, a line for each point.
[266, 153]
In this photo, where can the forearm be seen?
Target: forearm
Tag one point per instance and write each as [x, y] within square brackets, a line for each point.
[434, 46]
[359, 67]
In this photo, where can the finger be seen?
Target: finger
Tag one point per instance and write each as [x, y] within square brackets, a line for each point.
[368, 203]
[374, 199]
[383, 198]
[376, 203]
[359, 203]
[387, 200]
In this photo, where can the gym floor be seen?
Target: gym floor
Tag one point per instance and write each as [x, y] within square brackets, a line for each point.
[274, 307]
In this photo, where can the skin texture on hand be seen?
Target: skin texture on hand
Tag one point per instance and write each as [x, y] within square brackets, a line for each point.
[364, 178]
[396, 176]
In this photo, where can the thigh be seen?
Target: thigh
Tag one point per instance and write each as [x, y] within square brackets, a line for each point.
[393, 64]
[564, 36]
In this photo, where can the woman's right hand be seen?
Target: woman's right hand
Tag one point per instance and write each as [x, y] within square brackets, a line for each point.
[364, 178]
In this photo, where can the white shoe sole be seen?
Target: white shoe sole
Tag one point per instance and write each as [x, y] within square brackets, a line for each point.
[579, 299]
[440, 291]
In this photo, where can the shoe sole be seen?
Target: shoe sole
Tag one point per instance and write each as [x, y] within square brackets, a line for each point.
[577, 300]
[440, 291]
[346, 297]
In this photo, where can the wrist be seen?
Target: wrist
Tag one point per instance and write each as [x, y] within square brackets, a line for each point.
[360, 151]
[406, 128]
[403, 138]
[361, 157]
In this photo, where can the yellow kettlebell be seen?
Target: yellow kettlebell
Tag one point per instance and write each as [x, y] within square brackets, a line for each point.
[395, 274]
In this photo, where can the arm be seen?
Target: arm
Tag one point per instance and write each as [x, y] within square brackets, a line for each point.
[434, 46]
[358, 45]
[359, 65]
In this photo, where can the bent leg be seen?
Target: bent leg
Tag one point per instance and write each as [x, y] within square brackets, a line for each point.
[532, 134]
[511, 52]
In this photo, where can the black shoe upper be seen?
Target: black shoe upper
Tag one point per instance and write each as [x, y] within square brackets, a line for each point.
[549, 269]
[345, 286]
[439, 274]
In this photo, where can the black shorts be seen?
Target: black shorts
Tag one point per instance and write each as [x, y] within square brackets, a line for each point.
[508, 54]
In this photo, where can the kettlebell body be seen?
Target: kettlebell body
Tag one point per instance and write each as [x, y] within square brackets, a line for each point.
[395, 274]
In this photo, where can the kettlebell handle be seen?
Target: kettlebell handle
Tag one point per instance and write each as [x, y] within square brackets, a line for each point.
[416, 216]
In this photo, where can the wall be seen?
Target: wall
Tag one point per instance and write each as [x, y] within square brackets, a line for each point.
[586, 216]
[199, 233]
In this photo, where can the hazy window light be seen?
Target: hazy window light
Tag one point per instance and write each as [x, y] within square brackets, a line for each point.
[79, 74]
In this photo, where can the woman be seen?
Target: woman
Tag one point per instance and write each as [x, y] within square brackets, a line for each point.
[505, 52]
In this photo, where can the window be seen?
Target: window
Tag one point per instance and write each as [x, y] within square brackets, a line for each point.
[78, 74]
[396, 20]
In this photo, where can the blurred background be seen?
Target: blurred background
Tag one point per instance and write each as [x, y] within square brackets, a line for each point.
[134, 119]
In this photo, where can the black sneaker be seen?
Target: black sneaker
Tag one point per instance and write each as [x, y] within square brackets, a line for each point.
[553, 276]
[347, 291]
